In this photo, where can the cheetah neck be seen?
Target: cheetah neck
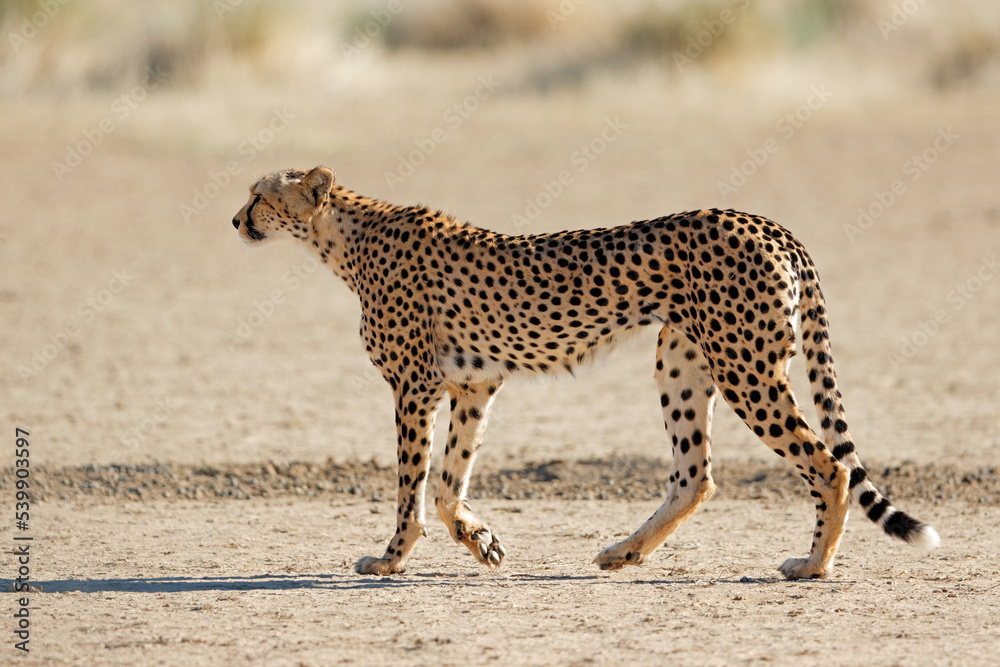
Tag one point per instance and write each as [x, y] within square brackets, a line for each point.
[337, 232]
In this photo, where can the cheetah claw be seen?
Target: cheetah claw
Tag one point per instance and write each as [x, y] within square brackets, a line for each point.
[801, 568]
[489, 551]
[380, 566]
[616, 557]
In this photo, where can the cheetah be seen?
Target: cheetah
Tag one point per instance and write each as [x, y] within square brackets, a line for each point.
[452, 310]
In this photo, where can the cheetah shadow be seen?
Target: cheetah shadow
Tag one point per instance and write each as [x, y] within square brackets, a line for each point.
[352, 582]
[262, 582]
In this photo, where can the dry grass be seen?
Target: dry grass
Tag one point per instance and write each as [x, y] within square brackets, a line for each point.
[474, 24]
[107, 44]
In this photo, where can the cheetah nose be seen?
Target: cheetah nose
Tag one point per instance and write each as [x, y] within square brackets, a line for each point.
[236, 223]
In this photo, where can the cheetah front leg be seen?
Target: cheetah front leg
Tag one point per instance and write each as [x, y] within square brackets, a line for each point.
[415, 413]
[687, 396]
[470, 406]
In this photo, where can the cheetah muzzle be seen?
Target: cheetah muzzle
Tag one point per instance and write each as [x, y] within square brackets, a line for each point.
[452, 311]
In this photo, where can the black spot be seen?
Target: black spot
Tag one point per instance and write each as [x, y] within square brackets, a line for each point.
[876, 511]
[902, 525]
[842, 450]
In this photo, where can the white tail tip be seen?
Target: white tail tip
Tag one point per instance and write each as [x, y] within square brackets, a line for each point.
[926, 538]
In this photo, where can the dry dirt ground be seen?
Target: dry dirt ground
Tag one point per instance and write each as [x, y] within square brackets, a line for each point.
[270, 581]
[184, 393]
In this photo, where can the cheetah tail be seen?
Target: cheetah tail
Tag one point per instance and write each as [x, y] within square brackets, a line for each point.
[826, 396]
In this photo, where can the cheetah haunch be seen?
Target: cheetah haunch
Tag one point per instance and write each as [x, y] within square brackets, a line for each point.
[448, 308]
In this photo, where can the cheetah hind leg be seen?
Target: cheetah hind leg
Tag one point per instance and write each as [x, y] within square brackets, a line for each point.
[773, 414]
[687, 396]
[470, 406]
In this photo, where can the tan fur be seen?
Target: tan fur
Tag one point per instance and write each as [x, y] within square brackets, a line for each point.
[452, 311]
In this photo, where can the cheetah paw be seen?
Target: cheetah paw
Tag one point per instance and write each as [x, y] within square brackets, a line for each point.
[486, 547]
[801, 568]
[380, 566]
[616, 557]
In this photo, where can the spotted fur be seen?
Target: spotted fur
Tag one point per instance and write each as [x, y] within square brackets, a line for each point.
[452, 310]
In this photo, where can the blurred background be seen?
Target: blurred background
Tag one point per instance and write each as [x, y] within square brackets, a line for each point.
[137, 328]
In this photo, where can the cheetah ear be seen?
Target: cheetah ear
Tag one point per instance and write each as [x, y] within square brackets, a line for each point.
[316, 185]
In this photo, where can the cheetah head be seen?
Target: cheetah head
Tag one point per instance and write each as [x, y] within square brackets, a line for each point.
[285, 201]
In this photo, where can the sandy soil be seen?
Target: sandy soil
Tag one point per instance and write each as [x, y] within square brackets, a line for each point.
[271, 582]
[161, 368]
